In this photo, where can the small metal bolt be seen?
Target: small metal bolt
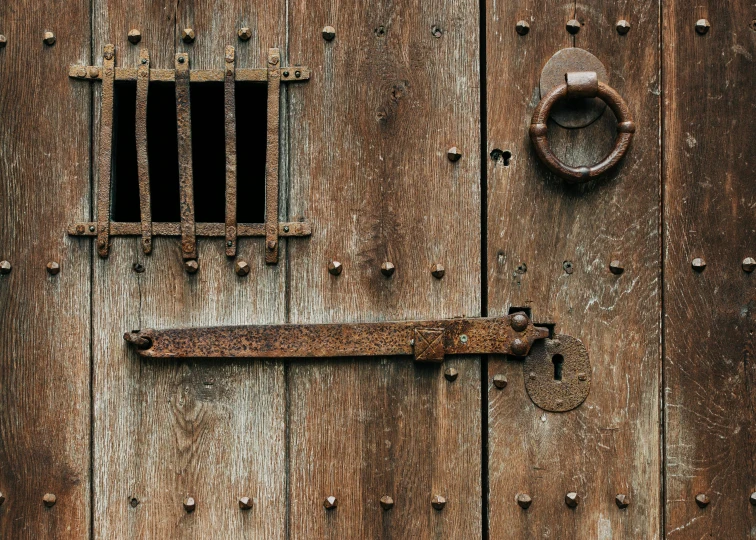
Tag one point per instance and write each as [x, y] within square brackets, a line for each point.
[49, 38]
[3, 41]
[135, 36]
[623, 27]
[519, 347]
[749, 264]
[244, 33]
[297, 74]
[582, 377]
[702, 26]
[181, 59]
[187, 35]
[271, 245]
[91, 228]
[698, 264]
[241, 268]
[53, 268]
[134, 502]
[438, 502]
[438, 271]
[190, 505]
[567, 266]
[143, 60]
[436, 31]
[622, 500]
[451, 374]
[522, 27]
[49, 499]
[191, 266]
[500, 381]
[524, 501]
[616, 268]
[572, 499]
[573, 26]
[5, 267]
[138, 268]
[463, 338]
[286, 227]
[752, 498]
[329, 32]
[2, 498]
[519, 322]
[229, 243]
[335, 268]
[245, 503]
[387, 503]
[702, 500]
[453, 154]
[330, 503]
[388, 269]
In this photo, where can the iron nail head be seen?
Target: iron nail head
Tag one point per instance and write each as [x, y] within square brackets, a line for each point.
[702, 26]
[524, 501]
[500, 381]
[522, 27]
[623, 27]
[49, 38]
[438, 502]
[135, 36]
[622, 500]
[335, 268]
[451, 374]
[330, 503]
[572, 499]
[329, 33]
[387, 503]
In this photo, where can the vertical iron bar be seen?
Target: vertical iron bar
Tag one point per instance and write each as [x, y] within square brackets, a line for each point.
[143, 83]
[184, 125]
[106, 150]
[229, 103]
[271, 158]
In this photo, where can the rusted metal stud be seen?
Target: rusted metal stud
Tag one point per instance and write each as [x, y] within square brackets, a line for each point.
[451, 374]
[138, 268]
[438, 271]
[53, 268]
[244, 33]
[524, 501]
[702, 500]
[702, 26]
[191, 266]
[187, 35]
[135, 36]
[752, 498]
[698, 264]
[500, 381]
[623, 27]
[519, 322]
[330, 503]
[329, 33]
[49, 38]
[241, 268]
[335, 268]
[388, 269]
[519, 347]
[3, 41]
[522, 27]
[245, 503]
[190, 505]
[572, 499]
[387, 503]
[49, 499]
[568, 267]
[436, 31]
[453, 154]
[438, 502]
[622, 500]
[5, 267]
[573, 26]
[134, 502]
[749, 264]
[616, 268]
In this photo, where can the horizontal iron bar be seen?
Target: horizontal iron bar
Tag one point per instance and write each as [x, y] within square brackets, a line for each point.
[119, 228]
[288, 74]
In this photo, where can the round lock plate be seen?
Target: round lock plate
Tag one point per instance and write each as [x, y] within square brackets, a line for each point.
[558, 373]
[574, 113]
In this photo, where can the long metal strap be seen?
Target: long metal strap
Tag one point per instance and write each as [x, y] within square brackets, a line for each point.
[229, 103]
[143, 167]
[186, 187]
[106, 151]
[271, 158]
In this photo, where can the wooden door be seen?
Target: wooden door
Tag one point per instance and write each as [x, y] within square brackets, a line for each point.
[97, 441]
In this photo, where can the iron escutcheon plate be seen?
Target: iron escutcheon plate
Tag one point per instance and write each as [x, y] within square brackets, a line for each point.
[574, 113]
[544, 390]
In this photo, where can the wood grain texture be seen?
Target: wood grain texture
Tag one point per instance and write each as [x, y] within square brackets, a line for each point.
[167, 431]
[710, 317]
[536, 224]
[369, 137]
[44, 319]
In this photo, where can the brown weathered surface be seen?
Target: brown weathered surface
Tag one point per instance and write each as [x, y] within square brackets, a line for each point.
[710, 316]
[369, 137]
[212, 432]
[44, 318]
[537, 228]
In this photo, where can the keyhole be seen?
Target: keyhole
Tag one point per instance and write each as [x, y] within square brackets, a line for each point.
[558, 361]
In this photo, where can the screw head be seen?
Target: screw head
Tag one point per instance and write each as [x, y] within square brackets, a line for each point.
[335, 268]
[438, 270]
[453, 154]
[241, 268]
[330, 503]
[522, 27]
[623, 27]
[622, 500]
[244, 33]
[572, 499]
[53, 268]
[573, 26]
[245, 503]
[752, 498]
[187, 35]
[49, 499]
[519, 322]
[5, 267]
[749, 264]
[616, 268]
[49, 38]
[387, 503]
[519, 347]
[135, 36]
[329, 32]
[702, 500]
[451, 374]
[190, 505]
[524, 501]
[3, 41]
[702, 26]
[500, 381]
[191, 266]
[438, 502]
[388, 269]
[698, 264]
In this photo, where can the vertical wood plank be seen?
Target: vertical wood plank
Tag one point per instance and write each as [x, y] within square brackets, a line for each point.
[710, 316]
[44, 319]
[537, 227]
[168, 430]
[369, 137]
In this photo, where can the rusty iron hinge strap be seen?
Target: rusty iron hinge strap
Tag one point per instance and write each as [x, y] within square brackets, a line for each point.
[229, 106]
[159, 228]
[427, 341]
[271, 158]
[143, 167]
[105, 151]
[186, 187]
[289, 74]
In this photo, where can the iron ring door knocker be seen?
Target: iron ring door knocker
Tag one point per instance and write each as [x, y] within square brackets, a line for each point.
[583, 84]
